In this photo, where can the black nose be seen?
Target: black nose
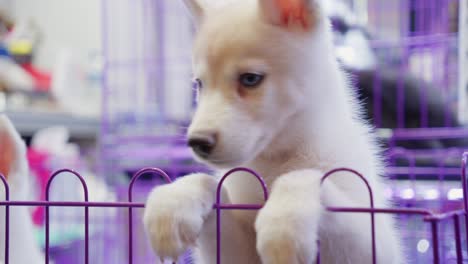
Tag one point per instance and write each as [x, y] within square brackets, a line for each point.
[202, 144]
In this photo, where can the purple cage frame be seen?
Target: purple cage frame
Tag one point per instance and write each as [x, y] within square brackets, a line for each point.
[433, 218]
[426, 26]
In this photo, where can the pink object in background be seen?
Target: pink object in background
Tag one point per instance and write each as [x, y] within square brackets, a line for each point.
[38, 166]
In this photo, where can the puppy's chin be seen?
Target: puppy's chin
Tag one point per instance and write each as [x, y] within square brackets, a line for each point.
[220, 165]
[221, 162]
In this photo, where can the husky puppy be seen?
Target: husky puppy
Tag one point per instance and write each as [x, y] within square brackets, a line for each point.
[272, 98]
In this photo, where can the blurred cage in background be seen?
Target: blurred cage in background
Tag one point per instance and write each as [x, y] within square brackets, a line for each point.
[147, 102]
[412, 78]
[411, 84]
[419, 39]
[147, 87]
[414, 85]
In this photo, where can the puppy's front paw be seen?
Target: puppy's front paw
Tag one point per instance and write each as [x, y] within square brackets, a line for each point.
[175, 214]
[285, 238]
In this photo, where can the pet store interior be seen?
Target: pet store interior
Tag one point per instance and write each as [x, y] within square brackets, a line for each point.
[104, 88]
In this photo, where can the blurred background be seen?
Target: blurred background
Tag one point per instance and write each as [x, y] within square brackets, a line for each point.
[104, 87]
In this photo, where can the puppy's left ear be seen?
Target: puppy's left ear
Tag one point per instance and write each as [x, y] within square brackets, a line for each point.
[291, 13]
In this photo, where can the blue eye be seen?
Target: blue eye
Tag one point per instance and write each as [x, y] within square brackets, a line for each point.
[251, 80]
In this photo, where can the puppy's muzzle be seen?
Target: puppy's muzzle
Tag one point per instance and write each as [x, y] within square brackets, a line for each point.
[203, 143]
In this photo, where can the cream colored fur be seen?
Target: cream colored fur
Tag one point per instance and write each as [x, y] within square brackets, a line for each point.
[302, 122]
[23, 246]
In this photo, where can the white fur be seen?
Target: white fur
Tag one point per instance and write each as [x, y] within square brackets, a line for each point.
[302, 122]
[23, 246]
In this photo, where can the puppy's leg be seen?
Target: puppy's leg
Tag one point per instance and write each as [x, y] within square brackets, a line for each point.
[175, 213]
[289, 225]
[346, 237]
[237, 241]
[180, 216]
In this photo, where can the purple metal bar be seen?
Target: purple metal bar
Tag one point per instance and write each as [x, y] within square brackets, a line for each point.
[162, 61]
[401, 96]
[445, 62]
[149, 97]
[418, 171]
[85, 191]
[237, 206]
[377, 99]
[443, 216]
[104, 129]
[423, 89]
[318, 253]
[218, 206]
[403, 153]
[371, 200]
[130, 200]
[105, 48]
[435, 241]
[432, 133]
[415, 41]
[432, 19]
[7, 218]
[420, 12]
[431, 153]
[457, 231]
[400, 93]
[445, 85]
[434, 219]
[424, 109]
[408, 211]
[73, 204]
[134, 14]
[465, 190]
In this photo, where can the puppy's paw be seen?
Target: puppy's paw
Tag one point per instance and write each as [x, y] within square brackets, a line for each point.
[281, 240]
[175, 214]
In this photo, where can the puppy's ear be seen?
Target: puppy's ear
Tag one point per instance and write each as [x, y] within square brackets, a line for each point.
[196, 10]
[289, 13]
[12, 150]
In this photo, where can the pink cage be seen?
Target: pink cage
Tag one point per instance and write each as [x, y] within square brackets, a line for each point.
[416, 104]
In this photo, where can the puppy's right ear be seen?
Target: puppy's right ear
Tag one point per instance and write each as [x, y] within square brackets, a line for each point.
[196, 10]
[286, 13]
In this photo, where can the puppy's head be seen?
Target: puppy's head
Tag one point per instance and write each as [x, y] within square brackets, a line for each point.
[250, 62]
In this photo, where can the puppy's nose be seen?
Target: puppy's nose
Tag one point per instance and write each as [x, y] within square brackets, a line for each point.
[202, 143]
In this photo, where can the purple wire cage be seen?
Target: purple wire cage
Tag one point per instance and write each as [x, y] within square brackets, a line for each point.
[415, 44]
[147, 78]
[412, 80]
[415, 83]
[412, 92]
[442, 242]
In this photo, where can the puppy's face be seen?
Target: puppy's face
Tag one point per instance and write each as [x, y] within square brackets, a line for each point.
[248, 71]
